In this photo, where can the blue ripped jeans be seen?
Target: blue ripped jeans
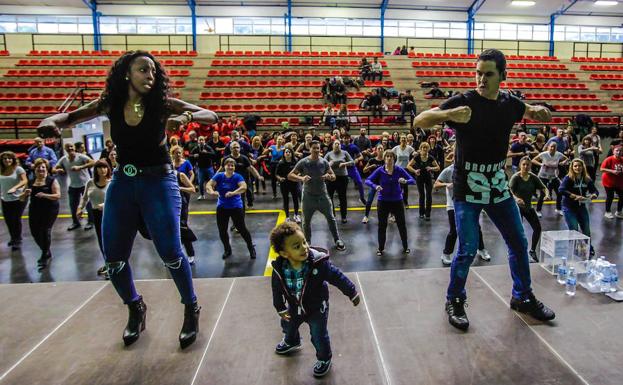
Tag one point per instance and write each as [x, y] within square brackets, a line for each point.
[156, 200]
[505, 216]
[578, 219]
[317, 328]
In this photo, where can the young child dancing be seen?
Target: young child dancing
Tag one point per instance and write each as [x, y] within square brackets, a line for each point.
[301, 293]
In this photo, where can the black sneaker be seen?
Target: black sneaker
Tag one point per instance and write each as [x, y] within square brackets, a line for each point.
[226, 254]
[533, 307]
[456, 313]
[321, 368]
[283, 348]
[73, 227]
[252, 252]
[533, 256]
[88, 227]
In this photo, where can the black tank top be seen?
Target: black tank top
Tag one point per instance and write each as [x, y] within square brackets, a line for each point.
[42, 204]
[139, 145]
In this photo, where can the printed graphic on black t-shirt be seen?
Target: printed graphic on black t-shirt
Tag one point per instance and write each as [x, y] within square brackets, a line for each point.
[482, 146]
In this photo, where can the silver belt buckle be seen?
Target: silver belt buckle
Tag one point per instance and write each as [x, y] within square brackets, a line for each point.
[130, 170]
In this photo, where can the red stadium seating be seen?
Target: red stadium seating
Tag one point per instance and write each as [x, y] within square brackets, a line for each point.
[298, 54]
[550, 96]
[562, 120]
[515, 75]
[598, 67]
[264, 95]
[28, 109]
[274, 72]
[93, 62]
[299, 63]
[108, 53]
[280, 83]
[75, 72]
[597, 59]
[606, 76]
[521, 85]
[67, 84]
[612, 86]
[473, 56]
[469, 64]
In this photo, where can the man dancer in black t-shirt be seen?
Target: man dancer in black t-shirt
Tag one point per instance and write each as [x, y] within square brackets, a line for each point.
[483, 119]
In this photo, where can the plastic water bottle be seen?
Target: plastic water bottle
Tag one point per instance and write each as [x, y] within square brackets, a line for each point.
[604, 283]
[614, 278]
[562, 271]
[571, 282]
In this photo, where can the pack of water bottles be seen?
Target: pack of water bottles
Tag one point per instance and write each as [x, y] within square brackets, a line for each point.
[601, 276]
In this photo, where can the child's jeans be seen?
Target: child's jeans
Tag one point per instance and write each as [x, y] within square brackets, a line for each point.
[317, 326]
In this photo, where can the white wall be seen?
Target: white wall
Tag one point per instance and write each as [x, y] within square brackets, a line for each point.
[250, 11]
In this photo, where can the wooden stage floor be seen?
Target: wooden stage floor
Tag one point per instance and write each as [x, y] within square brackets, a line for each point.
[70, 333]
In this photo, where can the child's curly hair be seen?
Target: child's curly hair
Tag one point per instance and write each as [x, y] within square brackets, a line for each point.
[279, 234]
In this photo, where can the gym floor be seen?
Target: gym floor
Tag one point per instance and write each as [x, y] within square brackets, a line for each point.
[70, 333]
[77, 257]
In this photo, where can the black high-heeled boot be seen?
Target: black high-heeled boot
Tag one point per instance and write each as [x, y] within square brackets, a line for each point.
[136, 321]
[190, 328]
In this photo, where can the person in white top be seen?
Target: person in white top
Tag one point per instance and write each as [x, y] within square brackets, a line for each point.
[95, 192]
[549, 161]
[445, 180]
[75, 166]
[12, 182]
[403, 153]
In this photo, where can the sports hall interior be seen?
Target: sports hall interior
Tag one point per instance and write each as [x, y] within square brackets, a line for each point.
[269, 58]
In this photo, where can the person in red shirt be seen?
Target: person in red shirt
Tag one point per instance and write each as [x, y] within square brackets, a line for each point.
[612, 179]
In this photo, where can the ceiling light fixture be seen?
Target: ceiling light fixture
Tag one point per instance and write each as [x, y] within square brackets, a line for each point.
[523, 3]
[606, 3]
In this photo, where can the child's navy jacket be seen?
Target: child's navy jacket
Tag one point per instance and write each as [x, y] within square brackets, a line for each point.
[315, 290]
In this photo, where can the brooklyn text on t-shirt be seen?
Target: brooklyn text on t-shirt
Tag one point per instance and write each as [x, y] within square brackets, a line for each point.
[485, 167]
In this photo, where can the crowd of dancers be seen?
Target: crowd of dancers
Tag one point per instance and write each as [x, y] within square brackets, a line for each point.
[155, 176]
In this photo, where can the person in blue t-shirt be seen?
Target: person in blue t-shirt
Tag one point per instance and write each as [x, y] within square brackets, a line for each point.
[228, 186]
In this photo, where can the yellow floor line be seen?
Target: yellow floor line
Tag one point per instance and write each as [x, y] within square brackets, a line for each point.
[272, 254]
[275, 211]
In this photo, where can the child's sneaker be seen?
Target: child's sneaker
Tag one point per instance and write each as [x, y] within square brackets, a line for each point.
[321, 368]
[284, 348]
[365, 220]
[446, 259]
[484, 255]
[609, 215]
[339, 245]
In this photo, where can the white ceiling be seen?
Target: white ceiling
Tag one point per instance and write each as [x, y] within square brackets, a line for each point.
[490, 7]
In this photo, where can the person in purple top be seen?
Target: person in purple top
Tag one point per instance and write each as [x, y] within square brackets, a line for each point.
[229, 186]
[387, 180]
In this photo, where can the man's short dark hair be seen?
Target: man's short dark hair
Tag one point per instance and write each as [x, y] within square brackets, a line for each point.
[314, 142]
[495, 55]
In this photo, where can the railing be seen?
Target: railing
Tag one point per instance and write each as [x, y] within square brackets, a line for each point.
[47, 41]
[584, 49]
[2, 42]
[300, 43]
[77, 94]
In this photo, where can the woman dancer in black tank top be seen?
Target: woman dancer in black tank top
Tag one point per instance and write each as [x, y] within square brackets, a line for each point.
[138, 103]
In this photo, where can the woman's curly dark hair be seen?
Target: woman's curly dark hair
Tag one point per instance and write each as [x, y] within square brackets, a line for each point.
[115, 94]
